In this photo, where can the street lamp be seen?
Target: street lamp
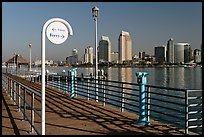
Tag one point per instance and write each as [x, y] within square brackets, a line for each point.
[95, 11]
[30, 57]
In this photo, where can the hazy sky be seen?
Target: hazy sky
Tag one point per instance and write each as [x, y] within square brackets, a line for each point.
[150, 24]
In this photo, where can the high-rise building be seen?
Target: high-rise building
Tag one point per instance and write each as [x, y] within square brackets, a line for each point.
[88, 56]
[197, 55]
[160, 54]
[141, 55]
[179, 52]
[72, 59]
[124, 47]
[170, 51]
[187, 53]
[104, 49]
[75, 55]
[114, 57]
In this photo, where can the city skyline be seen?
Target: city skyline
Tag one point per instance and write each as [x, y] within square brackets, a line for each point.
[150, 24]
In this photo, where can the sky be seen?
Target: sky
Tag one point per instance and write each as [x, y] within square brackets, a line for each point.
[150, 24]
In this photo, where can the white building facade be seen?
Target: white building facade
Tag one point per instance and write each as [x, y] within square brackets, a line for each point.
[124, 47]
[88, 56]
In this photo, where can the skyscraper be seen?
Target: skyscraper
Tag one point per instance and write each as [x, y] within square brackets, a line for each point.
[179, 52]
[88, 56]
[187, 53]
[124, 47]
[160, 54]
[197, 55]
[170, 51]
[75, 55]
[104, 49]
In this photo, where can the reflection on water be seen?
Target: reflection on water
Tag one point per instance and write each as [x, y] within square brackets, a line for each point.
[125, 74]
[177, 77]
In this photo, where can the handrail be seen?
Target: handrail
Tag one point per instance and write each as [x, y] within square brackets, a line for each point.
[31, 105]
[125, 96]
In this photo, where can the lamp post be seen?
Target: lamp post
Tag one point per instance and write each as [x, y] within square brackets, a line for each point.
[95, 11]
[30, 57]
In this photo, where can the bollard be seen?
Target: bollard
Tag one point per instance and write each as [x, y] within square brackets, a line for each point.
[73, 72]
[141, 79]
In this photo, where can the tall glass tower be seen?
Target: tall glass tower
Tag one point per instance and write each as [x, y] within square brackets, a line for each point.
[124, 47]
[104, 49]
[170, 51]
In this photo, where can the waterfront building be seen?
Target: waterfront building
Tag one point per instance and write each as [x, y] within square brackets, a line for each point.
[187, 53]
[47, 62]
[141, 55]
[75, 55]
[197, 55]
[179, 52]
[88, 56]
[124, 47]
[104, 49]
[170, 51]
[72, 59]
[114, 57]
[160, 54]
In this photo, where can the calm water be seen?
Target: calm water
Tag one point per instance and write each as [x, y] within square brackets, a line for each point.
[177, 77]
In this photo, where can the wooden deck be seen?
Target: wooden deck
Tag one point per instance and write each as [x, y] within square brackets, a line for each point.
[77, 116]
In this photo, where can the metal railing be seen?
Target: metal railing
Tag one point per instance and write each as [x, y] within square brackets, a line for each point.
[19, 93]
[179, 107]
[164, 104]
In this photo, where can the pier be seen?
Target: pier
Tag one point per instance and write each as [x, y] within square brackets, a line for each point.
[21, 110]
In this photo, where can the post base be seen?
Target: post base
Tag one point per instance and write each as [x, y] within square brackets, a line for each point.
[141, 122]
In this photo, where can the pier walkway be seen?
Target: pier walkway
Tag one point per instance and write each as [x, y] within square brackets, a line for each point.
[75, 116]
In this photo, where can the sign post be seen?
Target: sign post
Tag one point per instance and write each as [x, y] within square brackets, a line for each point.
[57, 31]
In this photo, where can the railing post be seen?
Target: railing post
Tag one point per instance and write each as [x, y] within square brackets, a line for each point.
[53, 80]
[72, 82]
[58, 82]
[122, 99]
[66, 87]
[19, 98]
[11, 93]
[96, 88]
[104, 93]
[32, 112]
[14, 93]
[75, 84]
[6, 80]
[148, 103]
[186, 112]
[8, 85]
[88, 88]
[142, 82]
[24, 103]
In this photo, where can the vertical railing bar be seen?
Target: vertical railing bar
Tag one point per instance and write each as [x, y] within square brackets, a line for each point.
[75, 82]
[24, 103]
[58, 82]
[186, 112]
[11, 88]
[14, 93]
[104, 93]
[122, 99]
[88, 89]
[32, 112]
[19, 98]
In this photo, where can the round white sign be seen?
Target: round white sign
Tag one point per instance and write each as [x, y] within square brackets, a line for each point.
[57, 32]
